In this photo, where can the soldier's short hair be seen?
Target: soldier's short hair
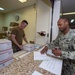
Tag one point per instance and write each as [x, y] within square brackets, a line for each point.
[65, 19]
[24, 21]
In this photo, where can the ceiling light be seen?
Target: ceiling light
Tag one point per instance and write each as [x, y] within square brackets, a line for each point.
[22, 1]
[1, 8]
[72, 20]
[70, 13]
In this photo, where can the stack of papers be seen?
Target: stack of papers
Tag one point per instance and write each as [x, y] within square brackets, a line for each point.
[45, 56]
[54, 66]
[50, 63]
[36, 73]
[39, 56]
[28, 47]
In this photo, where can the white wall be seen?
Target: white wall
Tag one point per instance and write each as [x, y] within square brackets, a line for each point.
[43, 21]
[28, 13]
[56, 16]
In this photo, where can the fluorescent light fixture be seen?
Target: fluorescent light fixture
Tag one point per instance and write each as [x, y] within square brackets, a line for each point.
[22, 1]
[72, 20]
[1, 8]
[70, 13]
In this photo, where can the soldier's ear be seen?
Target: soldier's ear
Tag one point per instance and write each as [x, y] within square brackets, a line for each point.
[66, 23]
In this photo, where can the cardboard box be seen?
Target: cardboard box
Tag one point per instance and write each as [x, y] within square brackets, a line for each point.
[29, 47]
[5, 44]
[6, 54]
[6, 63]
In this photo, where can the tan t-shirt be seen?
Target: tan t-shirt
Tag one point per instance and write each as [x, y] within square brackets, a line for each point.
[19, 34]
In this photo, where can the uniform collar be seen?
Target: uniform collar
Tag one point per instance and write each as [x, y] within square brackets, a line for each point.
[67, 34]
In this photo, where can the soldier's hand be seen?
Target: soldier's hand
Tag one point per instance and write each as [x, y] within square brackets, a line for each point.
[21, 47]
[44, 50]
[56, 52]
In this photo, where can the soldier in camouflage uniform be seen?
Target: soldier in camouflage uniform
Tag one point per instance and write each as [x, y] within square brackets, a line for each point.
[64, 46]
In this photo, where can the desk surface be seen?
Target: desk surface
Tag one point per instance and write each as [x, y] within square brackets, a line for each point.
[24, 66]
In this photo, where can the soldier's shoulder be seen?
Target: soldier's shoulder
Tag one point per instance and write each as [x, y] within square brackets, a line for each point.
[72, 32]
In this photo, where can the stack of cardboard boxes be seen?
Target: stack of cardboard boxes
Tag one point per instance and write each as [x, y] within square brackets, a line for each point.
[6, 53]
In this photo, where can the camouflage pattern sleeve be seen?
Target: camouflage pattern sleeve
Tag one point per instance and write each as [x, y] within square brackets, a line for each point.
[54, 43]
[70, 53]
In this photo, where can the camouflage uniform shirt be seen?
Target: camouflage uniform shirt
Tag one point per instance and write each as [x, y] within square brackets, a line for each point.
[67, 45]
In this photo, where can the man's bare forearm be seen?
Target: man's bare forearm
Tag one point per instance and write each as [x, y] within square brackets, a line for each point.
[25, 39]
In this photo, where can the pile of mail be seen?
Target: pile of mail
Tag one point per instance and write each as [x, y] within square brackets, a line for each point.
[29, 47]
[6, 53]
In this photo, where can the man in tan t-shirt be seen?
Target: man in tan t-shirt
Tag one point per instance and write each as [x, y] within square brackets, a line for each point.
[17, 35]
